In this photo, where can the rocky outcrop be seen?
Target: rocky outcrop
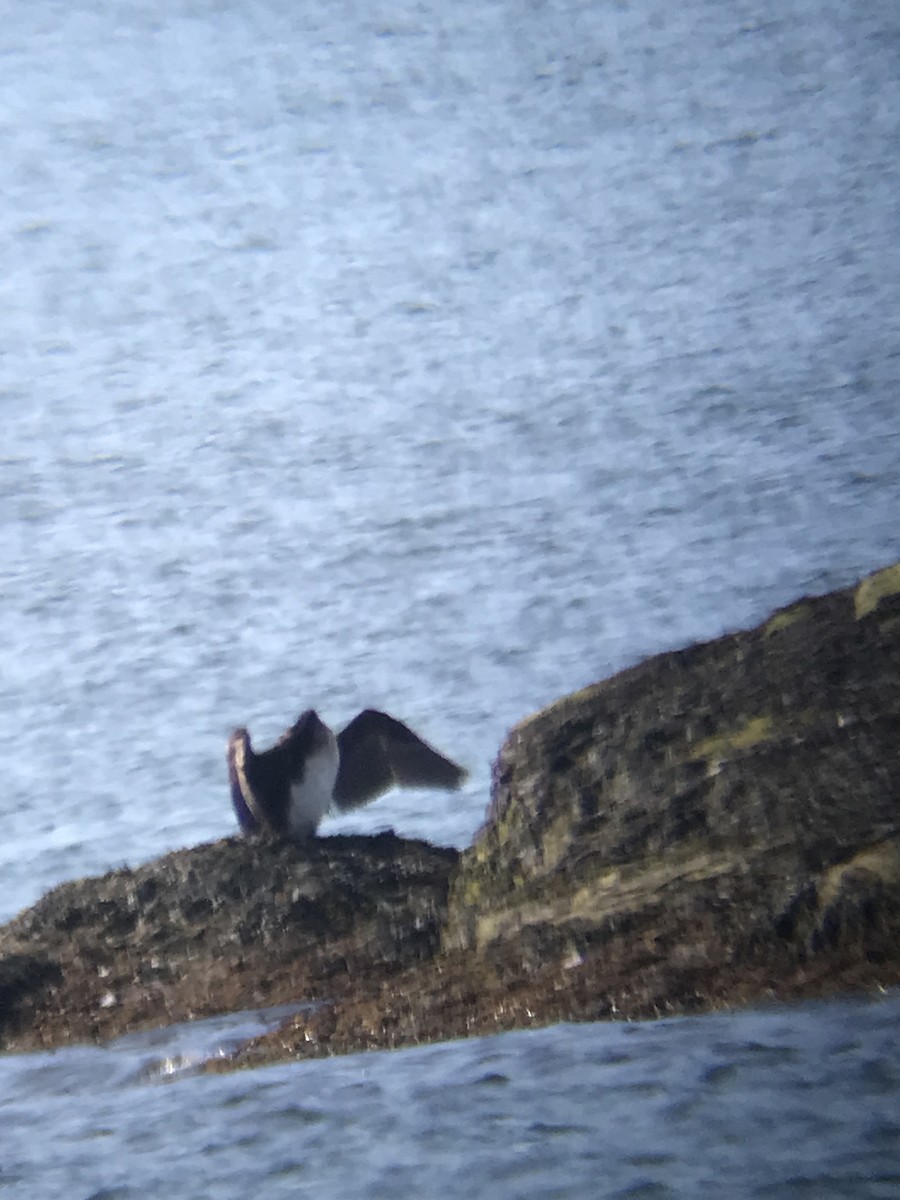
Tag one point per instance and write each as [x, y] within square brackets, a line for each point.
[218, 928]
[714, 826]
[730, 807]
[712, 796]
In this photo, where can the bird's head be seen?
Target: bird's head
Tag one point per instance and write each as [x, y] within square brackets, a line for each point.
[238, 743]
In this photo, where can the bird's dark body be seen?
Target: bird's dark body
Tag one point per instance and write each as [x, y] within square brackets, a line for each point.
[287, 789]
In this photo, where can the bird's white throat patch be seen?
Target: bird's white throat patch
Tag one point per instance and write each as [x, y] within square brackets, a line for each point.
[311, 797]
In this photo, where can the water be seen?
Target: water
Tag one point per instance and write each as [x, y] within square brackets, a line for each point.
[438, 358]
[780, 1103]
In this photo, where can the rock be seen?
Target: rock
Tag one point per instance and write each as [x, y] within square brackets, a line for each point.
[222, 927]
[22, 977]
[727, 810]
[715, 826]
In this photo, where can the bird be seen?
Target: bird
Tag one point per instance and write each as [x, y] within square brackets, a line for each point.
[286, 790]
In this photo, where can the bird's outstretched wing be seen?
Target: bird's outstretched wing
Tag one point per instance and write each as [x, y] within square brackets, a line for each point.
[242, 798]
[378, 752]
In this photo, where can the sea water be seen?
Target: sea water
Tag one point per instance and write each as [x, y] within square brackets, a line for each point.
[442, 359]
[786, 1102]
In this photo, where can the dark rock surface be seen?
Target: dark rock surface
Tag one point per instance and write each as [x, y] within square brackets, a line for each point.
[222, 927]
[715, 826]
[733, 805]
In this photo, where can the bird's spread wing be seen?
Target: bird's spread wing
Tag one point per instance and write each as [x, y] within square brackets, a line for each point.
[378, 752]
[245, 814]
[243, 796]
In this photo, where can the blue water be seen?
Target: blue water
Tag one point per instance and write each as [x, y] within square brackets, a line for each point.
[438, 358]
[780, 1103]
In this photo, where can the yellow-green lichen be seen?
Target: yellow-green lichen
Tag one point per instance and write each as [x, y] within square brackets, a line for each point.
[556, 840]
[507, 826]
[732, 741]
[881, 860]
[481, 851]
[613, 893]
[471, 891]
[873, 590]
[787, 617]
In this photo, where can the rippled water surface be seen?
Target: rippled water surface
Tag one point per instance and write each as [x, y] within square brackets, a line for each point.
[793, 1102]
[443, 358]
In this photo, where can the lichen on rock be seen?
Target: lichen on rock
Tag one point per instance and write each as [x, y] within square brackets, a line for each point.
[692, 800]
